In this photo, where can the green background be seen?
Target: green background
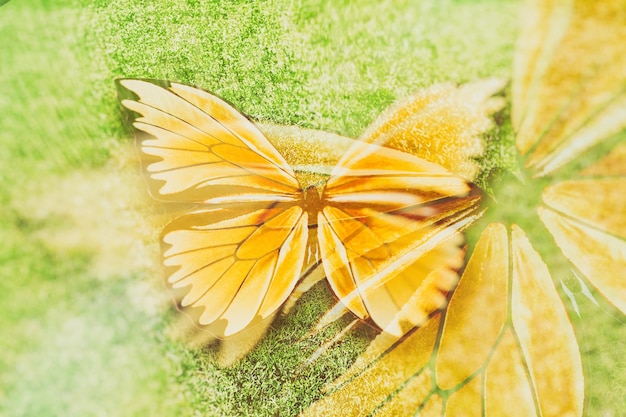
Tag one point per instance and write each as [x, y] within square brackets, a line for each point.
[85, 327]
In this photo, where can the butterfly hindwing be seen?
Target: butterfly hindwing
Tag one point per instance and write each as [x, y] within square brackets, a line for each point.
[235, 266]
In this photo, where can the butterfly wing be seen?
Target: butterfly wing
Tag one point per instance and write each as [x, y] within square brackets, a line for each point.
[388, 233]
[235, 261]
[200, 149]
[567, 99]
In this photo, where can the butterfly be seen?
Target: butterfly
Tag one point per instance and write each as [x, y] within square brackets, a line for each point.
[384, 223]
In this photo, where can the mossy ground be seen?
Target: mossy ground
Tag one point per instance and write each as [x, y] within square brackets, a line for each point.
[86, 328]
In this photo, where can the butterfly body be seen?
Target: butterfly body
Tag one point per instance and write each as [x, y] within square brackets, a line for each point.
[379, 221]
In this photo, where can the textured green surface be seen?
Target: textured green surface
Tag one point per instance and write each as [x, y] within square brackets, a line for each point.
[85, 326]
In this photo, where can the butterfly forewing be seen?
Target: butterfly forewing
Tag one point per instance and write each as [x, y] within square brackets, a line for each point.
[198, 142]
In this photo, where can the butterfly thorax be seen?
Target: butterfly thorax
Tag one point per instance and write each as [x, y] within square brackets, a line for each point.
[312, 202]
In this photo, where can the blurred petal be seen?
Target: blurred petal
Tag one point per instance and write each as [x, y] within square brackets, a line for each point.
[600, 255]
[588, 221]
[543, 24]
[569, 79]
[505, 347]
[613, 164]
[484, 285]
[544, 333]
[597, 202]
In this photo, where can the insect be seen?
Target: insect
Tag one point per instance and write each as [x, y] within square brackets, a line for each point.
[380, 221]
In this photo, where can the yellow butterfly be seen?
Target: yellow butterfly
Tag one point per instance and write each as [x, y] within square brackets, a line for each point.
[383, 217]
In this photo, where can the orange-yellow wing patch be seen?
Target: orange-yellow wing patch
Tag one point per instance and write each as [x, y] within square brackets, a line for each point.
[397, 199]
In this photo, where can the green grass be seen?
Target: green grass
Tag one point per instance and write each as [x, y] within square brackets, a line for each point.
[86, 323]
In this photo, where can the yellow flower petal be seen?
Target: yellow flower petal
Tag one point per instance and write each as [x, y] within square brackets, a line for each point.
[544, 333]
[483, 289]
[597, 202]
[613, 164]
[377, 375]
[412, 396]
[468, 400]
[569, 79]
[599, 255]
[507, 391]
